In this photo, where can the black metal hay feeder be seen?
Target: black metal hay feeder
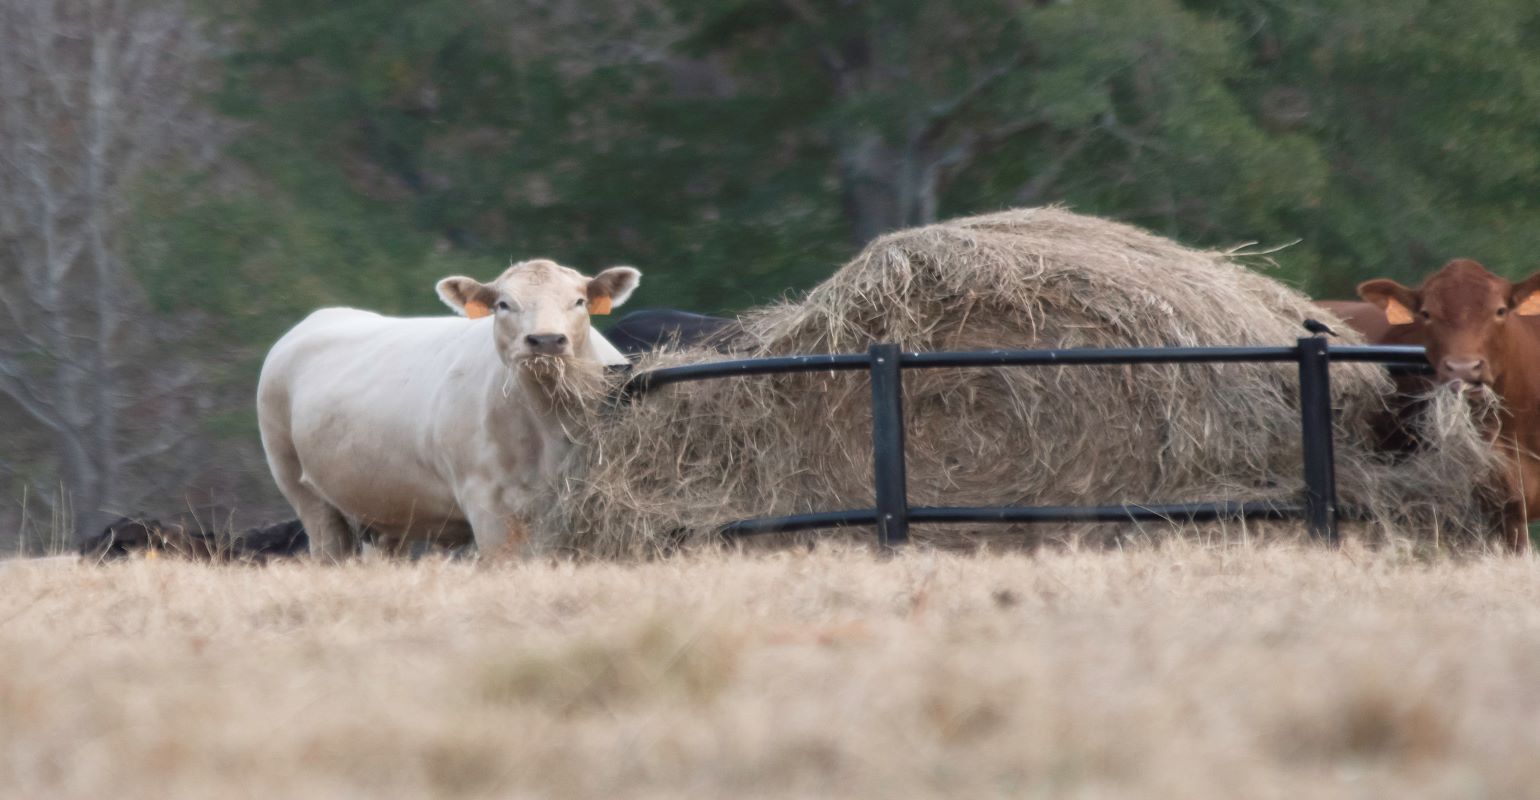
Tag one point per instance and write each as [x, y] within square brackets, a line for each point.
[885, 363]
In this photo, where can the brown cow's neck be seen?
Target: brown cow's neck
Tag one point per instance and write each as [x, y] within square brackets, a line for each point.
[1519, 386]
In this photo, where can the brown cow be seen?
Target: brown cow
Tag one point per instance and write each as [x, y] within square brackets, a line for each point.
[1394, 428]
[1370, 322]
[1480, 330]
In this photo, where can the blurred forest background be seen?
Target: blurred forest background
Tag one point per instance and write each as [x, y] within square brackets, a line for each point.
[181, 180]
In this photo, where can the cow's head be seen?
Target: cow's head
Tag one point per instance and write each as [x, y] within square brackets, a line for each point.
[1463, 314]
[540, 309]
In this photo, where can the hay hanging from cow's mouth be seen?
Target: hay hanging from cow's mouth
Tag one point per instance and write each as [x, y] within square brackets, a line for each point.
[560, 384]
[687, 458]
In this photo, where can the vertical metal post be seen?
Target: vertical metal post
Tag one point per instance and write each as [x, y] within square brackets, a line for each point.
[889, 475]
[1316, 432]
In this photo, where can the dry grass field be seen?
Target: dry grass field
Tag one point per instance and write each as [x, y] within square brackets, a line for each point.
[1176, 671]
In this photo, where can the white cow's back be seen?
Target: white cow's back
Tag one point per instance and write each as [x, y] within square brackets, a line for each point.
[359, 398]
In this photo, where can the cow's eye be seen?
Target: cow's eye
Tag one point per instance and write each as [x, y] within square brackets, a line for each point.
[1424, 315]
[582, 301]
[1502, 311]
[502, 305]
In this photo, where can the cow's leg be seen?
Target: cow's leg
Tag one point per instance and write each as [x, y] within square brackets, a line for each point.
[1516, 528]
[1518, 539]
[1526, 504]
[1522, 483]
[331, 538]
[500, 535]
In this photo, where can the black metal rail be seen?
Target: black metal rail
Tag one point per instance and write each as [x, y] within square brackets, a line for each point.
[885, 364]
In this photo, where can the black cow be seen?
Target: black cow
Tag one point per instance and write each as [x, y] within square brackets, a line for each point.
[122, 537]
[283, 540]
[185, 537]
[651, 329]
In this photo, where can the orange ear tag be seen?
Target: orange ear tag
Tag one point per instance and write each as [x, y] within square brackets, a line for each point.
[476, 309]
[1530, 307]
[1397, 314]
[599, 305]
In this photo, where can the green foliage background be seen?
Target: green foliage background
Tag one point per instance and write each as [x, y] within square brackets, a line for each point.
[382, 144]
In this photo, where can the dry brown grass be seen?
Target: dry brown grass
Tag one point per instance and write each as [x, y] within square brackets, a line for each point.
[1172, 671]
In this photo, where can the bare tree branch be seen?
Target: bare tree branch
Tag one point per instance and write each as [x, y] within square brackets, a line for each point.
[12, 386]
[45, 30]
[973, 145]
[168, 387]
[21, 323]
[1118, 130]
[160, 446]
[827, 53]
[1031, 192]
[942, 114]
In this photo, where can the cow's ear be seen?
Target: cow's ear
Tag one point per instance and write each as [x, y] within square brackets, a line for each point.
[1525, 296]
[610, 288]
[1398, 302]
[467, 296]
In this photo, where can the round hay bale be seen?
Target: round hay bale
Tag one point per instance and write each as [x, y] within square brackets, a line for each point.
[683, 460]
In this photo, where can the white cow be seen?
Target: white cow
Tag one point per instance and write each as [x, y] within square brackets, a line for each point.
[435, 427]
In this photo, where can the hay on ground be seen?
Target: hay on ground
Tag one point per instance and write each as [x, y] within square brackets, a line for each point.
[687, 458]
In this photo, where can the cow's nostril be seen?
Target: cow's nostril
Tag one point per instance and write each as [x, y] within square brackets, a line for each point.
[546, 342]
[1465, 369]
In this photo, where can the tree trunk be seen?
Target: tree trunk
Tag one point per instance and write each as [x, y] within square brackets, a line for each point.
[93, 94]
[885, 187]
[105, 294]
[81, 476]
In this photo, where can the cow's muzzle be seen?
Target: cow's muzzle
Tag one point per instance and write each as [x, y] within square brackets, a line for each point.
[547, 344]
[1466, 370]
